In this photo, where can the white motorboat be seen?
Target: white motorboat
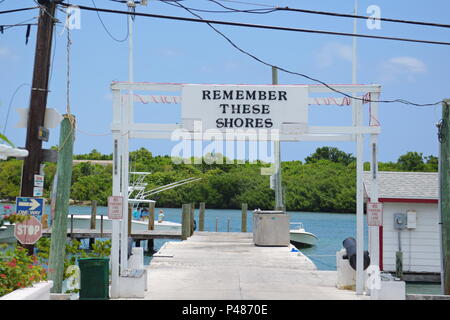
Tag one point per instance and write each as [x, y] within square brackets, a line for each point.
[300, 238]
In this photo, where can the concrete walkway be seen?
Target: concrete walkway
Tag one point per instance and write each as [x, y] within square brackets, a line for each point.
[228, 266]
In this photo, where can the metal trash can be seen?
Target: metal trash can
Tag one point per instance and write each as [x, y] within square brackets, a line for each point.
[270, 228]
[94, 278]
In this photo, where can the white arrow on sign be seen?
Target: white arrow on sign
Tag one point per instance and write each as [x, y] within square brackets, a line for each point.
[33, 204]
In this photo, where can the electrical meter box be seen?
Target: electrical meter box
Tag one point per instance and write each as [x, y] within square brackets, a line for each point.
[400, 221]
[271, 228]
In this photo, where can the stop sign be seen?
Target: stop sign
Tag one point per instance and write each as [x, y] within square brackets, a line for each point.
[29, 231]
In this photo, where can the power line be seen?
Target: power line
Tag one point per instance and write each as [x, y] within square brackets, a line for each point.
[17, 10]
[335, 14]
[430, 24]
[10, 104]
[306, 76]
[210, 22]
[229, 10]
[260, 26]
[106, 29]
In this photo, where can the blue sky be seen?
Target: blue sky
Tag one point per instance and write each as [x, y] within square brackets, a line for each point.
[184, 52]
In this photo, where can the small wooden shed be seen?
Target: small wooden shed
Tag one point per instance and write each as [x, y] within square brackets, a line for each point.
[416, 195]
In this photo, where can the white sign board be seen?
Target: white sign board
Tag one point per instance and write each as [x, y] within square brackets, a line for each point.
[38, 191]
[243, 107]
[374, 214]
[115, 207]
[38, 180]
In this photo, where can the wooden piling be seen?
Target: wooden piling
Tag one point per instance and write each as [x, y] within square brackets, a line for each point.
[192, 218]
[44, 221]
[217, 222]
[185, 219]
[201, 217]
[93, 221]
[71, 226]
[151, 217]
[93, 214]
[101, 226]
[244, 218]
[130, 216]
[228, 225]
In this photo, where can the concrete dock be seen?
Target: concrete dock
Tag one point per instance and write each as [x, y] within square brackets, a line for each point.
[228, 266]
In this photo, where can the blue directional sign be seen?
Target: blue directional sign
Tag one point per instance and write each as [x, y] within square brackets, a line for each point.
[30, 206]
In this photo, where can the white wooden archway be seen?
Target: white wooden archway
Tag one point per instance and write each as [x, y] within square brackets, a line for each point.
[124, 128]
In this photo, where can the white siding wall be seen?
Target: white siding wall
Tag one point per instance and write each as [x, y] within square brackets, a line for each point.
[420, 246]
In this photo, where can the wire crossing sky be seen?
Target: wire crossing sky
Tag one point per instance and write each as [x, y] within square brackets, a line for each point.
[177, 51]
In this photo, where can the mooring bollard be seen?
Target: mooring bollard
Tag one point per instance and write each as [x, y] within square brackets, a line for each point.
[201, 217]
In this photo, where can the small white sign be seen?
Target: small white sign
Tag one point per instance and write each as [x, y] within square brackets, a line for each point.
[38, 180]
[38, 192]
[374, 214]
[115, 207]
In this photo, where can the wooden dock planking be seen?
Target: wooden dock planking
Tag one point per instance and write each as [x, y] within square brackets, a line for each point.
[141, 235]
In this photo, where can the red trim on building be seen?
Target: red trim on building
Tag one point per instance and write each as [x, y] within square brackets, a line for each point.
[408, 200]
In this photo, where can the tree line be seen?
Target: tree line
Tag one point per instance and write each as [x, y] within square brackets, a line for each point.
[324, 182]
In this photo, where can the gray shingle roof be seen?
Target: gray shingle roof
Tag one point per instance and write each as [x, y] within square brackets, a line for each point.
[404, 185]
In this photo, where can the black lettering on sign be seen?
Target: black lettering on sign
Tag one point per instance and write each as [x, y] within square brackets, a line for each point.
[265, 109]
[224, 106]
[206, 94]
[268, 123]
[282, 95]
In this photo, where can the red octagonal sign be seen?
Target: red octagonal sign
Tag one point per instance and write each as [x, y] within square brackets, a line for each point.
[29, 231]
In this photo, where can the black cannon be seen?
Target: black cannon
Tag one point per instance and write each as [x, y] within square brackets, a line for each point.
[350, 246]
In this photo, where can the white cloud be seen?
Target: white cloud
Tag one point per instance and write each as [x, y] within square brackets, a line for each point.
[402, 68]
[333, 51]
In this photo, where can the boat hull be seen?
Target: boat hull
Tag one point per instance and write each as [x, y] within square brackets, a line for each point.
[303, 239]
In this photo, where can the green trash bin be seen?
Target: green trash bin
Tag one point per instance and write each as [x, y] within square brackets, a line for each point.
[94, 282]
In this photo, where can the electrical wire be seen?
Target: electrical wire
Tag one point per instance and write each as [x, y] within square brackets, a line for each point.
[343, 15]
[106, 29]
[19, 24]
[210, 22]
[257, 11]
[17, 10]
[308, 77]
[229, 10]
[10, 104]
[259, 26]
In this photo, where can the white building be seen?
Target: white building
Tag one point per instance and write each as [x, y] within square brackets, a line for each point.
[416, 195]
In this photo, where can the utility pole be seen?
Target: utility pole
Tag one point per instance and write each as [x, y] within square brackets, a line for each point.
[38, 100]
[444, 203]
[277, 155]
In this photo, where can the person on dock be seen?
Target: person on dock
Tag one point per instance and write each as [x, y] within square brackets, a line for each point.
[160, 216]
[137, 214]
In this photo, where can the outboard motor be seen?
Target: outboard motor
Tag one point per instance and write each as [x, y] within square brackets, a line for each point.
[350, 247]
